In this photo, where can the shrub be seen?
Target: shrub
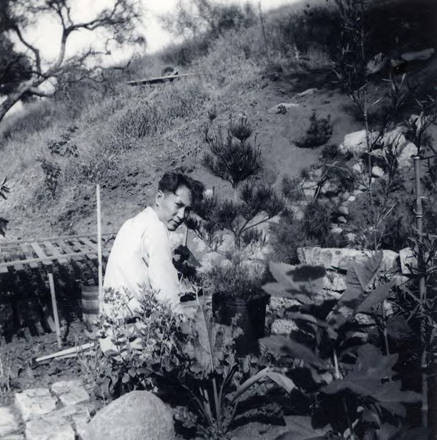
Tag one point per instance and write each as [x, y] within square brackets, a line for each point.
[233, 158]
[291, 189]
[318, 133]
[344, 367]
[185, 360]
[52, 172]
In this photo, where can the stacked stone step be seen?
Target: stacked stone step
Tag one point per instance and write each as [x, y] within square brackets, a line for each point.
[336, 262]
[60, 412]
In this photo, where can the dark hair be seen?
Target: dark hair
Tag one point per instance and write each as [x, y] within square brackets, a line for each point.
[172, 180]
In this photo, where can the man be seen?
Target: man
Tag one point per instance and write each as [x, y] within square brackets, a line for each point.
[141, 255]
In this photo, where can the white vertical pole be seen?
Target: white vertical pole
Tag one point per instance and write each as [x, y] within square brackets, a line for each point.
[99, 243]
[55, 309]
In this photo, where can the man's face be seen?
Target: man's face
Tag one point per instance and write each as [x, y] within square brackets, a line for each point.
[173, 207]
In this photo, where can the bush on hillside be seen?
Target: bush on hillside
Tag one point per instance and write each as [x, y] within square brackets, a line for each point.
[318, 133]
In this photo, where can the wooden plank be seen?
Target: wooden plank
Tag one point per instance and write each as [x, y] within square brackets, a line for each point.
[159, 79]
[55, 252]
[28, 255]
[69, 250]
[52, 238]
[18, 256]
[91, 246]
[38, 260]
[46, 261]
[55, 309]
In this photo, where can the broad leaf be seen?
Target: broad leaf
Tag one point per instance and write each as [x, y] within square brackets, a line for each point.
[375, 297]
[281, 345]
[301, 429]
[296, 282]
[282, 380]
[412, 434]
[390, 396]
[398, 328]
[359, 276]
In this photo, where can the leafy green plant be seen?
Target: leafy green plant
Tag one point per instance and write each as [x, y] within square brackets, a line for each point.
[52, 172]
[192, 358]
[349, 373]
[318, 133]
[233, 158]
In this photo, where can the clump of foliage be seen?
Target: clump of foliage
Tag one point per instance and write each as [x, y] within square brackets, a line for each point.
[64, 147]
[191, 363]
[318, 133]
[233, 158]
[344, 369]
[52, 172]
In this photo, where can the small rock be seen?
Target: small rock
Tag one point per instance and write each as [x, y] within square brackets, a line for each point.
[336, 230]
[309, 193]
[80, 423]
[351, 237]
[408, 260]
[357, 167]
[283, 327]
[351, 199]
[344, 210]
[394, 138]
[334, 282]
[8, 421]
[345, 195]
[377, 171]
[49, 428]
[330, 188]
[34, 402]
[356, 142]
[342, 220]
[70, 392]
[137, 415]
[307, 92]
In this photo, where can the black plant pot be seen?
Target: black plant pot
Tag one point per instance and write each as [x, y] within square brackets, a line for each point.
[249, 315]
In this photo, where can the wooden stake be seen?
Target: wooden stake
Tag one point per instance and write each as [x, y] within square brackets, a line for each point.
[186, 236]
[99, 244]
[72, 351]
[55, 309]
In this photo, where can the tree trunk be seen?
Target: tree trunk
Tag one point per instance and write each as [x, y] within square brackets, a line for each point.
[14, 97]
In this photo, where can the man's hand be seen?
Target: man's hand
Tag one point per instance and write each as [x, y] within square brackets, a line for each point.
[182, 253]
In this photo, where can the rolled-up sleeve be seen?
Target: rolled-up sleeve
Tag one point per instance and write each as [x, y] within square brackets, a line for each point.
[163, 276]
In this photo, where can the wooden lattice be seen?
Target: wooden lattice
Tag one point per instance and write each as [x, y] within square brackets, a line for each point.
[43, 252]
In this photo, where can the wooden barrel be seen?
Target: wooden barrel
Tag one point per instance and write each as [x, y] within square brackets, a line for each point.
[90, 304]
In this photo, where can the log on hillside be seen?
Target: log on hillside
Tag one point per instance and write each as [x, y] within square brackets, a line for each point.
[159, 79]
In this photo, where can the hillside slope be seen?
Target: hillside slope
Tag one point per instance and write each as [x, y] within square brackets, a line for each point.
[125, 137]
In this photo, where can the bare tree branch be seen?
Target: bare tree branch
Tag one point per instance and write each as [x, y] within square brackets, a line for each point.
[32, 48]
[118, 18]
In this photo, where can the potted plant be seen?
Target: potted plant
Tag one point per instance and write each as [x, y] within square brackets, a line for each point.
[232, 229]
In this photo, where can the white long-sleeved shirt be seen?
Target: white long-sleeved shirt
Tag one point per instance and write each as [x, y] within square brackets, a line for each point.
[141, 255]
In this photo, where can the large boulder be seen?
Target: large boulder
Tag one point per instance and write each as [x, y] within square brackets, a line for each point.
[356, 142]
[137, 415]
